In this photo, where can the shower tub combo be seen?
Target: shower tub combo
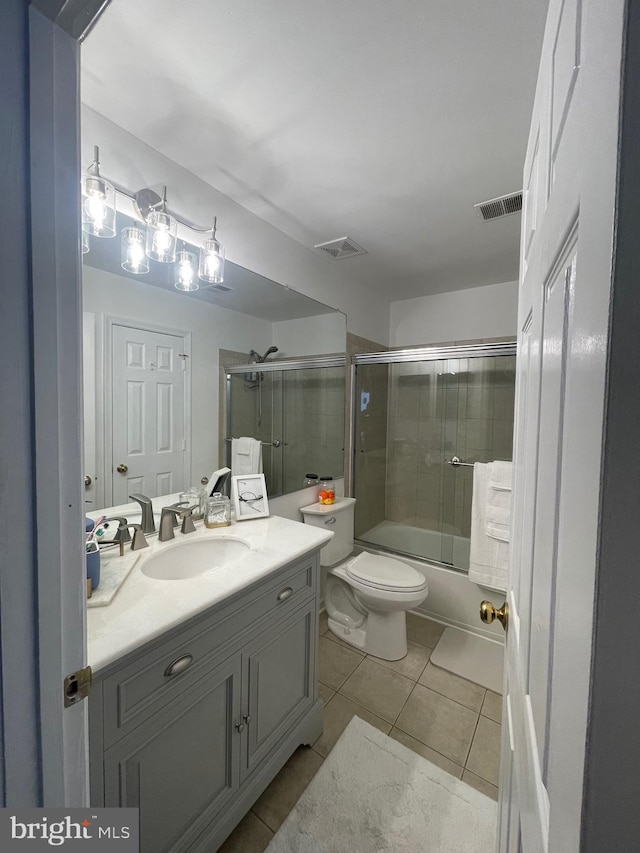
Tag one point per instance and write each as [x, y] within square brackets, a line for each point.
[420, 419]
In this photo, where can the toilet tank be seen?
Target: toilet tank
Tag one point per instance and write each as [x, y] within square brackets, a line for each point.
[337, 517]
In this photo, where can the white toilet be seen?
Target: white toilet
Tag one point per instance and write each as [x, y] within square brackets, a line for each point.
[366, 597]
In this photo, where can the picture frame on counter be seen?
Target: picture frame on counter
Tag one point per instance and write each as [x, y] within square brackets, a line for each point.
[249, 496]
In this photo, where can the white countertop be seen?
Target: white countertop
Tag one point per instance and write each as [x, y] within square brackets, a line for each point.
[145, 608]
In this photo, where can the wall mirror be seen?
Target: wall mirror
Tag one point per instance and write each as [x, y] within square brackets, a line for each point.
[155, 375]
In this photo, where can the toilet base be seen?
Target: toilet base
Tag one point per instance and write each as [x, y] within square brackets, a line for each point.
[383, 635]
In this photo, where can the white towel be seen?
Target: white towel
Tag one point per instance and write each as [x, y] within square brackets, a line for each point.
[489, 555]
[246, 456]
[499, 500]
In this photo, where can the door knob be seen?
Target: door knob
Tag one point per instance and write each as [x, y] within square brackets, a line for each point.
[122, 468]
[488, 613]
[87, 480]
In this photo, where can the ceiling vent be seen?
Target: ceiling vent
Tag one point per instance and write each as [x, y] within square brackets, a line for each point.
[496, 208]
[343, 247]
[221, 288]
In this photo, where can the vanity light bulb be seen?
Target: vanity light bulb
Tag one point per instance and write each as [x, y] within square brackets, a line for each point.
[211, 266]
[98, 207]
[133, 258]
[161, 240]
[186, 272]
[161, 237]
[96, 210]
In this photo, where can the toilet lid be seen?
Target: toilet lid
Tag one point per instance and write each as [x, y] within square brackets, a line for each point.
[385, 573]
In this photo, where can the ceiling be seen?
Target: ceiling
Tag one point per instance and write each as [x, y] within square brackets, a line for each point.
[382, 121]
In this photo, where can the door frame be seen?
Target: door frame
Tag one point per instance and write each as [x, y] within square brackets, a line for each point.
[43, 746]
[104, 396]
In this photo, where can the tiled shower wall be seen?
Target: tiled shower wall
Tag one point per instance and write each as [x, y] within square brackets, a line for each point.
[313, 406]
[440, 409]
[304, 409]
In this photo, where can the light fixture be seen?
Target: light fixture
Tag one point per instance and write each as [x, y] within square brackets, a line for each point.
[162, 228]
[132, 255]
[211, 266]
[186, 277]
[98, 201]
[85, 242]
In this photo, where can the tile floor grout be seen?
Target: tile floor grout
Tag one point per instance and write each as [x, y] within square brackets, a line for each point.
[286, 788]
[327, 634]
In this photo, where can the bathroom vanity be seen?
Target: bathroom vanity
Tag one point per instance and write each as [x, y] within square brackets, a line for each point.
[205, 686]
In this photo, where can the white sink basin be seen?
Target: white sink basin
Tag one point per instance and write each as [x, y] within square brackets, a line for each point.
[190, 559]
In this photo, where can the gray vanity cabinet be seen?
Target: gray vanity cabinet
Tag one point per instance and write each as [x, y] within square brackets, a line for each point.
[193, 751]
[278, 674]
[181, 770]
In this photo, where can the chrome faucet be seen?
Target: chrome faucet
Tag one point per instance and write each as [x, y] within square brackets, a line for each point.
[171, 514]
[147, 520]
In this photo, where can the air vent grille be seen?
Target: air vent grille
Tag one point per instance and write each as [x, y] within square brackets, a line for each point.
[221, 288]
[342, 247]
[496, 208]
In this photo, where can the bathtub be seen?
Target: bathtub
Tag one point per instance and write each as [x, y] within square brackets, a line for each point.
[418, 542]
[453, 599]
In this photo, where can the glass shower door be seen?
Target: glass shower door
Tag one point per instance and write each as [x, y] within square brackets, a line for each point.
[411, 419]
[255, 410]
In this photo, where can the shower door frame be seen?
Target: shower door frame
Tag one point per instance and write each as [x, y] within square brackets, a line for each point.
[313, 362]
[404, 356]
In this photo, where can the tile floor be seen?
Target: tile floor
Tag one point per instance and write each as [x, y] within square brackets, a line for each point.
[452, 722]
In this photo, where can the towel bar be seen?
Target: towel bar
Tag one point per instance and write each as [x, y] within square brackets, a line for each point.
[457, 462]
[275, 443]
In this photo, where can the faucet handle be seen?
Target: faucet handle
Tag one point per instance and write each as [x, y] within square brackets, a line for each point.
[122, 533]
[187, 521]
[139, 541]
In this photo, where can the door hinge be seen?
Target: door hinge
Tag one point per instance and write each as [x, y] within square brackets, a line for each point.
[77, 686]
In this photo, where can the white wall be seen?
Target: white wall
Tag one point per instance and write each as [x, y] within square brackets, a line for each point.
[300, 337]
[249, 241]
[476, 312]
[211, 327]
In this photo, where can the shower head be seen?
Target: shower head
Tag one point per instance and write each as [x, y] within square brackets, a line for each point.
[268, 353]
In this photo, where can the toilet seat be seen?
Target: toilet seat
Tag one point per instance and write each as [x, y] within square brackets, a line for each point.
[385, 573]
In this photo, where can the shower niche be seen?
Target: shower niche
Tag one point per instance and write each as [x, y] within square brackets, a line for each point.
[415, 411]
[296, 409]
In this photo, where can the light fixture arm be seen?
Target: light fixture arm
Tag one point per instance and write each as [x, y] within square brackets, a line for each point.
[94, 168]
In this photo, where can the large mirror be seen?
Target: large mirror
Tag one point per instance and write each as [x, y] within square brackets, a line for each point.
[155, 371]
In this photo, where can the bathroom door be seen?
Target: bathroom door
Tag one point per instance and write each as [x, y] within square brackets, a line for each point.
[149, 439]
[565, 282]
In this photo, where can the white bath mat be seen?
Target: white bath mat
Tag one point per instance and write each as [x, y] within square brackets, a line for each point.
[373, 794]
[470, 657]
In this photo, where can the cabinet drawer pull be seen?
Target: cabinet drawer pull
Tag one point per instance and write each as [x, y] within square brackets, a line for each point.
[178, 665]
[239, 727]
[285, 593]
[246, 718]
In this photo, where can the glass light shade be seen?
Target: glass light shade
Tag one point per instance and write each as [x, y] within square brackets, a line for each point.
[85, 242]
[98, 206]
[186, 277]
[211, 266]
[132, 255]
[161, 237]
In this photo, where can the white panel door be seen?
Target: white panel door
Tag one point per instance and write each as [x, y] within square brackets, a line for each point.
[148, 413]
[566, 255]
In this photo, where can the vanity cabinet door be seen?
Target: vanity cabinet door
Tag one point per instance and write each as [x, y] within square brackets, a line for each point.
[181, 768]
[279, 679]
